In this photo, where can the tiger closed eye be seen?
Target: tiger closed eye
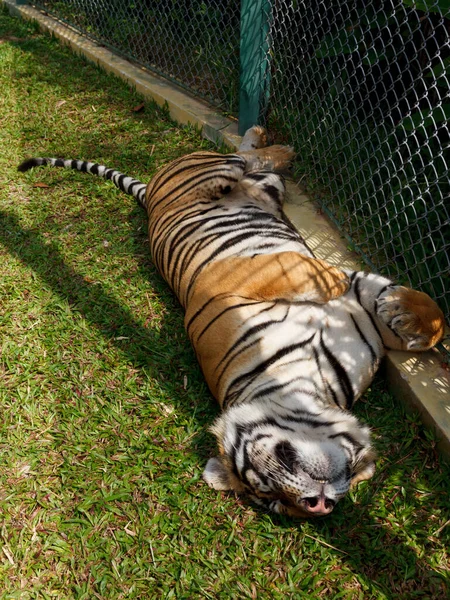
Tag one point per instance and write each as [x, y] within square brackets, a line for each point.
[287, 455]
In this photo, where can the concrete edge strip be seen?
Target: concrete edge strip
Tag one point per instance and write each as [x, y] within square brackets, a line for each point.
[421, 381]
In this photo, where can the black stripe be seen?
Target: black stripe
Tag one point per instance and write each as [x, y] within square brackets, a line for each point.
[234, 357]
[341, 374]
[383, 289]
[247, 465]
[192, 162]
[266, 363]
[248, 428]
[364, 340]
[170, 170]
[356, 445]
[333, 394]
[247, 334]
[357, 290]
[176, 222]
[194, 182]
[132, 185]
[325, 383]
[180, 242]
[234, 448]
[119, 182]
[307, 421]
[266, 391]
[242, 339]
[218, 316]
[202, 166]
[258, 176]
[198, 312]
[273, 192]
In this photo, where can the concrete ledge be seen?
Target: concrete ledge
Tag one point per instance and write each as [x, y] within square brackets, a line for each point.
[420, 380]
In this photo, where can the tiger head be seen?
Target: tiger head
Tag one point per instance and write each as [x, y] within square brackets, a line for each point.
[298, 465]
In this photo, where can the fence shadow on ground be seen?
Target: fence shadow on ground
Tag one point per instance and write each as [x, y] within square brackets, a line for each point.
[84, 297]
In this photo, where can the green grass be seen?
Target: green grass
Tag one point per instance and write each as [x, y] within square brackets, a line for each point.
[103, 435]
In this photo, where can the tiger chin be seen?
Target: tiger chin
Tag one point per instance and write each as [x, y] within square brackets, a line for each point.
[286, 342]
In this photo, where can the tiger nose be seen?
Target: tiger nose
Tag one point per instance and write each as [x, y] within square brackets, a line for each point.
[317, 505]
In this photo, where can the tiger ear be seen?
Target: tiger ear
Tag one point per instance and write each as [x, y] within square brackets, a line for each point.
[218, 475]
[364, 467]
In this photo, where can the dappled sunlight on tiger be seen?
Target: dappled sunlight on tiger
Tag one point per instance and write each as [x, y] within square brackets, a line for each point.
[286, 342]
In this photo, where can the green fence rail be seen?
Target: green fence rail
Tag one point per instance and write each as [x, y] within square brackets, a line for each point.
[359, 87]
[255, 62]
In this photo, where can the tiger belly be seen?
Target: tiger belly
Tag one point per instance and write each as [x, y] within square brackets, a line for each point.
[248, 350]
[183, 245]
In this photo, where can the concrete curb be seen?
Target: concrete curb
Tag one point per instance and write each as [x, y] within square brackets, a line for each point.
[420, 380]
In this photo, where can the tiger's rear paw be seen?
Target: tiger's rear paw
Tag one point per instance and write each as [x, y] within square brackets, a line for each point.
[254, 138]
[281, 157]
[273, 158]
[413, 316]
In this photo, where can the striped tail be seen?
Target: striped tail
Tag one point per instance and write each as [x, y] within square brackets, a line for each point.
[130, 186]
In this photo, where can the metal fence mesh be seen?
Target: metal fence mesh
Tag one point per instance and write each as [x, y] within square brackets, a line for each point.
[362, 91]
[359, 87]
[193, 42]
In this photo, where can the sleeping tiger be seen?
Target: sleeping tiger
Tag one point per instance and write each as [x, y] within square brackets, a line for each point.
[286, 342]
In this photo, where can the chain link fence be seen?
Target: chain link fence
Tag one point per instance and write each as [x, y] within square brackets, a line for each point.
[361, 88]
[192, 42]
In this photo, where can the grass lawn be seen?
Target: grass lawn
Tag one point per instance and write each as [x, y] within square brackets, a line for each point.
[104, 412]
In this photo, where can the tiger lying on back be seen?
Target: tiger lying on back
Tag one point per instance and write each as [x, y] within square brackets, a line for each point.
[286, 342]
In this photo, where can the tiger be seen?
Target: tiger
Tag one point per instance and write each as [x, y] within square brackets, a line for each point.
[286, 342]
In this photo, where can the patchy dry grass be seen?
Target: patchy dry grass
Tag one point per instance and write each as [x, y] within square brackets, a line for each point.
[104, 411]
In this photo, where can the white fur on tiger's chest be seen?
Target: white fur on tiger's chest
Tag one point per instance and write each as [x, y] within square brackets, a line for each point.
[313, 348]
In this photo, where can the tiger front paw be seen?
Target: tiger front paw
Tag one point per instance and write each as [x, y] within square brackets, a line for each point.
[412, 316]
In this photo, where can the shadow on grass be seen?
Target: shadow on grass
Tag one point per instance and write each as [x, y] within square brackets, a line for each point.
[382, 556]
[385, 549]
[89, 299]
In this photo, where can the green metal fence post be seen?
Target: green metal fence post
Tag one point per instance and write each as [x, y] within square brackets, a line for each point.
[255, 64]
